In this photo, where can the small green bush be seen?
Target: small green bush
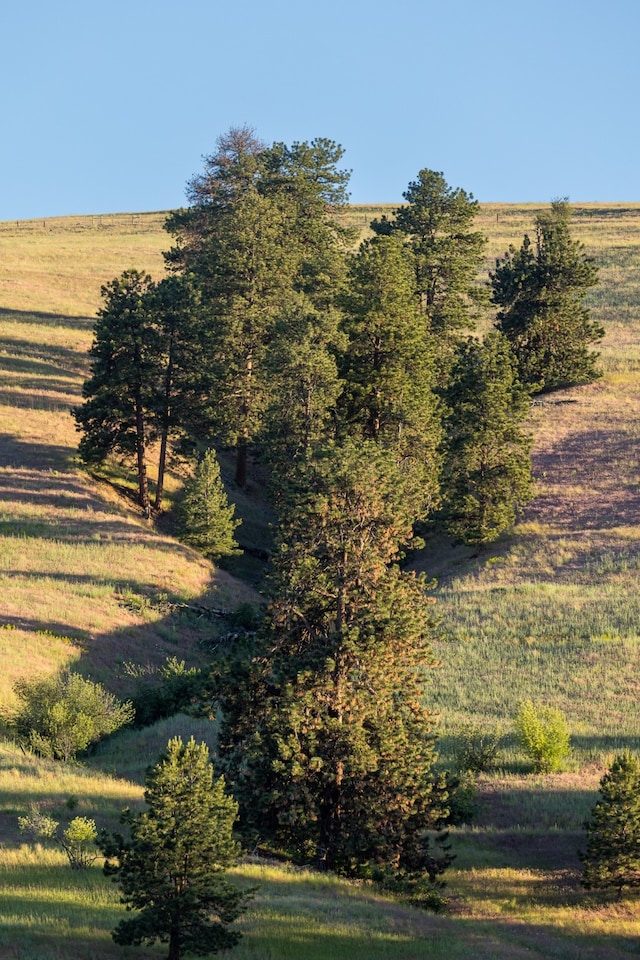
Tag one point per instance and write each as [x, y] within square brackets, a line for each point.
[78, 840]
[543, 734]
[174, 688]
[62, 715]
[476, 750]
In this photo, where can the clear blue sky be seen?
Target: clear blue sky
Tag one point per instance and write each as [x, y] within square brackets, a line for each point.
[109, 106]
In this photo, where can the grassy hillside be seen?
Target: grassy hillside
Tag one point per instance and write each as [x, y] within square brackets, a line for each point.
[83, 578]
[550, 612]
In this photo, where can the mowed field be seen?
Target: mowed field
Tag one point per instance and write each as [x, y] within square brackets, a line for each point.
[550, 612]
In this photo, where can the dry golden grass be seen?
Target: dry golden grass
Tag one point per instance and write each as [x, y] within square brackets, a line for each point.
[551, 612]
[76, 560]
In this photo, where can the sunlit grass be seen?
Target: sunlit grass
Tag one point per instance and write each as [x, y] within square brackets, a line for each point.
[550, 612]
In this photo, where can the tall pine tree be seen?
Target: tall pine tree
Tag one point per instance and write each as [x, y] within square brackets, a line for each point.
[540, 290]
[327, 740]
[487, 467]
[262, 241]
[120, 395]
[438, 221]
[388, 365]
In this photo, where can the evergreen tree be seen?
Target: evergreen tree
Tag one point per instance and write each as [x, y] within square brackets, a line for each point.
[540, 294]
[612, 858]
[170, 870]
[207, 516]
[183, 384]
[329, 746]
[260, 237]
[448, 253]
[119, 395]
[304, 387]
[388, 366]
[487, 465]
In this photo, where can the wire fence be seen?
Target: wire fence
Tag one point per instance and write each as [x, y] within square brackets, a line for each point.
[112, 222]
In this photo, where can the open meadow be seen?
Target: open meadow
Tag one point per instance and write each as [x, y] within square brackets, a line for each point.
[551, 612]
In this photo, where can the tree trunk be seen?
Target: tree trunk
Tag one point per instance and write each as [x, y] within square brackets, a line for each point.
[143, 483]
[166, 419]
[162, 462]
[174, 945]
[241, 462]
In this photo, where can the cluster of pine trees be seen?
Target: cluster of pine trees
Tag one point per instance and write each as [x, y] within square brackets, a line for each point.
[354, 373]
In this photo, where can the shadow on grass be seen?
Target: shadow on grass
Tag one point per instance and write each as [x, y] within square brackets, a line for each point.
[60, 382]
[525, 849]
[33, 401]
[40, 319]
[73, 362]
[601, 459]
[36, 369]
[20, 455]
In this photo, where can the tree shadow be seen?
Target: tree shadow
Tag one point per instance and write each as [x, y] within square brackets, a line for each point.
[58, 357]
[608, 494]
[32, 401]
[35, 369]
[22, 455]
[39, 319]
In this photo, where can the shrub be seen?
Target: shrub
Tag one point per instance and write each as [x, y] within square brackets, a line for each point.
[78, 840]
[543, 734]
[463, 798]
[476, 749]
[64, 714]
[174, 688]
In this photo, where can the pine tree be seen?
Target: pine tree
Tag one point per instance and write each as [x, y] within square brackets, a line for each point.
[540, 293]
[304, 387]
[612, 858]
[183, 385]
[117, 415]
[328, 744]
[388, 365]
[487, 466]
[438, 221]
[263, 244]
[170, 870]
[207, 516]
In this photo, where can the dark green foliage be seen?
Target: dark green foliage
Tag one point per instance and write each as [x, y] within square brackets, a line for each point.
[540, 293]
[207, 517]
[476, 750]
[438, 219]
[62, 715]
[304, 386]
[487, 468]
[171, 869]
[326, 737]
[116, 417]
[262, 242]
[612, 858]
[463, 797]
[174, 688]
[182, 388]
[388, 367]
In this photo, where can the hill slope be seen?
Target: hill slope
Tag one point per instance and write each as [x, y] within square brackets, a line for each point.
[550, 612]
